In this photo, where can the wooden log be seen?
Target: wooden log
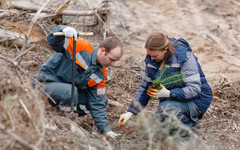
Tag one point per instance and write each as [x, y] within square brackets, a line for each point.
[114, 103]
[16, 38]
[65, 12]
[4, 14]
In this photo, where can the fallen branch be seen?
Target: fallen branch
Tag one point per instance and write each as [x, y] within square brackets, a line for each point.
[23, 53]
[62, 7]
[16, 38]
[36, 17]
[114, 103]
[65, 12]
[8, 60]
[29, 115]
[4, 14]
[102, 22]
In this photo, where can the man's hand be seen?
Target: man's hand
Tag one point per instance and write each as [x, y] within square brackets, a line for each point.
[123, 119]
[112, 134]
[70, 32]
[154, 93]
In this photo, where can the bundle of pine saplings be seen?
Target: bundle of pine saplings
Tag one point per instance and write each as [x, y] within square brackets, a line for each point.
[168, 79]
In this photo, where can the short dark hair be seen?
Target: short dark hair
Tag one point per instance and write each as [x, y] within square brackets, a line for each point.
[111, 43]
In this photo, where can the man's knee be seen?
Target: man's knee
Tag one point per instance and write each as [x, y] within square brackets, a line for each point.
[66, 97]
[105, 100]
[61, 93]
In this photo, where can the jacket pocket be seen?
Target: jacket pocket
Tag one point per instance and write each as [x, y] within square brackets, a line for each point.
[64, 70]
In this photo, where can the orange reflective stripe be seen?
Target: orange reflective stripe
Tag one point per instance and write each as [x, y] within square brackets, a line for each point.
[104, 71]
[101, 85]
[91, 83]
[81, 45]
[85, 45]
[101, 88]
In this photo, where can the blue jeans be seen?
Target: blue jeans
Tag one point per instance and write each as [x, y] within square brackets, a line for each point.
[187, 112]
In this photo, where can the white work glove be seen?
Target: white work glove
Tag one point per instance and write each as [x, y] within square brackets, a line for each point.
[70, 32]
[154, 93]
[112, 134]
[124, 118]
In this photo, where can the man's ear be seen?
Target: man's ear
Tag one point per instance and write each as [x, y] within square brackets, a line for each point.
[102, 50]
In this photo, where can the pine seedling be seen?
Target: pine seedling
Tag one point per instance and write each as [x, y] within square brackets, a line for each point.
[168, 80]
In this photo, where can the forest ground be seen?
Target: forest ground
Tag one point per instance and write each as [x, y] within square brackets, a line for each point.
[211, 28]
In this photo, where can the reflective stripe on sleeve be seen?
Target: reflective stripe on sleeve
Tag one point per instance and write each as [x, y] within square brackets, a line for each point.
[151, 66]
[195, 77]
[95, 78]
[81, 60]
[146, 78]
[101, 91]
[175, 65]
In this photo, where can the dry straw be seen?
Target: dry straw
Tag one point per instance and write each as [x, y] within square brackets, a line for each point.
[21, 113]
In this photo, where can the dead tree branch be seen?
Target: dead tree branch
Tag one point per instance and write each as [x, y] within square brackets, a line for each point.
[114, 103]
[16, 38]
[36, 17]
[23, 53]
[65, 12]
[102, 22]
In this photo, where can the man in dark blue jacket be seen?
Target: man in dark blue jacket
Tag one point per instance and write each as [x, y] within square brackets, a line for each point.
[90, 74]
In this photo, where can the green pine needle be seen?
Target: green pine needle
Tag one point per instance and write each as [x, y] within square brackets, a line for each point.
[168, 80]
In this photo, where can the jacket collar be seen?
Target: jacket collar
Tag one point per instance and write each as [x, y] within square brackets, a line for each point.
[181, 47]
[94, 55]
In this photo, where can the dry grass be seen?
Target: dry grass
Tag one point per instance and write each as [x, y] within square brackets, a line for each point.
[21, 112]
